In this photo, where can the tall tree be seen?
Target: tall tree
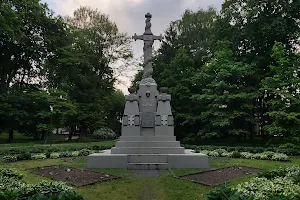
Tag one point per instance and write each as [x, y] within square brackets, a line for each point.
[29, 34]
[281, 89]
[226, 92]
[85, 66]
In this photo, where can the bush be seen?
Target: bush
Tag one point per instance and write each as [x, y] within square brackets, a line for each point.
[287, 146]
[9, 158]
[75, 153]
[65, 154]
[236, 154]
[10, 173]
[280, 157]
[24, 156]
[84, 152]
[104, 133]
[54, 155]
[38, 156]
[221, 193]
[13, 187]
[68, 195]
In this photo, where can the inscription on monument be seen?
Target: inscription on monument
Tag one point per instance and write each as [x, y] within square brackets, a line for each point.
[148, 119]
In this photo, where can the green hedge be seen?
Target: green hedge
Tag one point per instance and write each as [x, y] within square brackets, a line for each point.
[288, 151]
[54, 148]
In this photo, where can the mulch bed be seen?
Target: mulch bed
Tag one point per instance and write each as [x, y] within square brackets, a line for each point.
[76, 177]
[220, 176]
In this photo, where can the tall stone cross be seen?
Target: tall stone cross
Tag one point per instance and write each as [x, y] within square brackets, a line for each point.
[148, 38]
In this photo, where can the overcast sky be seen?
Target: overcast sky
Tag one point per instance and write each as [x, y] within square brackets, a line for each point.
[129, 15]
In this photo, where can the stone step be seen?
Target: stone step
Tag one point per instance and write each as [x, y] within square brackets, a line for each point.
[148, 166]
[148, 144]
[147, 138]
[147, 158]
[149, 150]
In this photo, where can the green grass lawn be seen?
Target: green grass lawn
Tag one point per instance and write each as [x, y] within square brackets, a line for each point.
[134, 187]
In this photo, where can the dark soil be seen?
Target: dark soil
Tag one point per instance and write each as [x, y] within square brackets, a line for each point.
[76, 177]
[220, 176]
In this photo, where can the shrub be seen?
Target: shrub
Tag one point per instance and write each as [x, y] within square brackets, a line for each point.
[65, 154]
[287, 146]
[54, 155]
[221, 193]
[236, 154]
[280, 157]
[262, 188]
[9, 158]
[24, 156]
[246, 155]
[75, 153]
[269, 154]
[84, 152]
[38, 156]
[67, 195]
[10, 173]
[104, 133]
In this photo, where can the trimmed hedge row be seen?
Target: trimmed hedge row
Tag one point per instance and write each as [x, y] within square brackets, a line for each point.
[268, 155]
[288, 151]
[54, 148]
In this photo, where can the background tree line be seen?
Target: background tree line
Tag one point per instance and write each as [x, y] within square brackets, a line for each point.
[233, 73]
[58, 72]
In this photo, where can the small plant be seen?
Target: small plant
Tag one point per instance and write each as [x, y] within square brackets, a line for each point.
[24, 156]
[9, 158]
[75, 153]
[65, 154]
[104, 133]
[84, 152]
[38, 156]
[54, 155]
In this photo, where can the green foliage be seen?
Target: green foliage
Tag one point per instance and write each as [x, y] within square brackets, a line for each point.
[225, 193]
[104, 133]
[9, 158]
[13, 187]
[24, 156]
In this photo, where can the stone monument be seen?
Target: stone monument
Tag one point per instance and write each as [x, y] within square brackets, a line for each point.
[147, 140]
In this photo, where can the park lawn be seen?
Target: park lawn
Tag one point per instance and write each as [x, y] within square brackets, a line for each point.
[131, 186]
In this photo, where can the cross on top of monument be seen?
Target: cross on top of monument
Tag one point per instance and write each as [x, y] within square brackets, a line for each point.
[148, 39]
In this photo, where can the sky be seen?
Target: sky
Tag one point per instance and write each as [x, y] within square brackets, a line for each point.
[129, 15]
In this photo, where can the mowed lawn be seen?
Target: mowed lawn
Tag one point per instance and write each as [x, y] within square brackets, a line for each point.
[131, 186]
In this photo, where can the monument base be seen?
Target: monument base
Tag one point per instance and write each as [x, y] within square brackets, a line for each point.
[188, 160]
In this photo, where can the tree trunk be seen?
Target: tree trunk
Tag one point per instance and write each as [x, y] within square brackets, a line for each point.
[10, 135]
[72, 131]
[43, 134]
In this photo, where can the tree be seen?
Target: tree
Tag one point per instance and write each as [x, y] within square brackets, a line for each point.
[84, 67]
[29, 34]
[225, 93]
[282, 97]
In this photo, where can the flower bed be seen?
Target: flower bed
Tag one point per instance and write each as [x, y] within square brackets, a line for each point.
[268, 155]
[12, 186]
[282, 183]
